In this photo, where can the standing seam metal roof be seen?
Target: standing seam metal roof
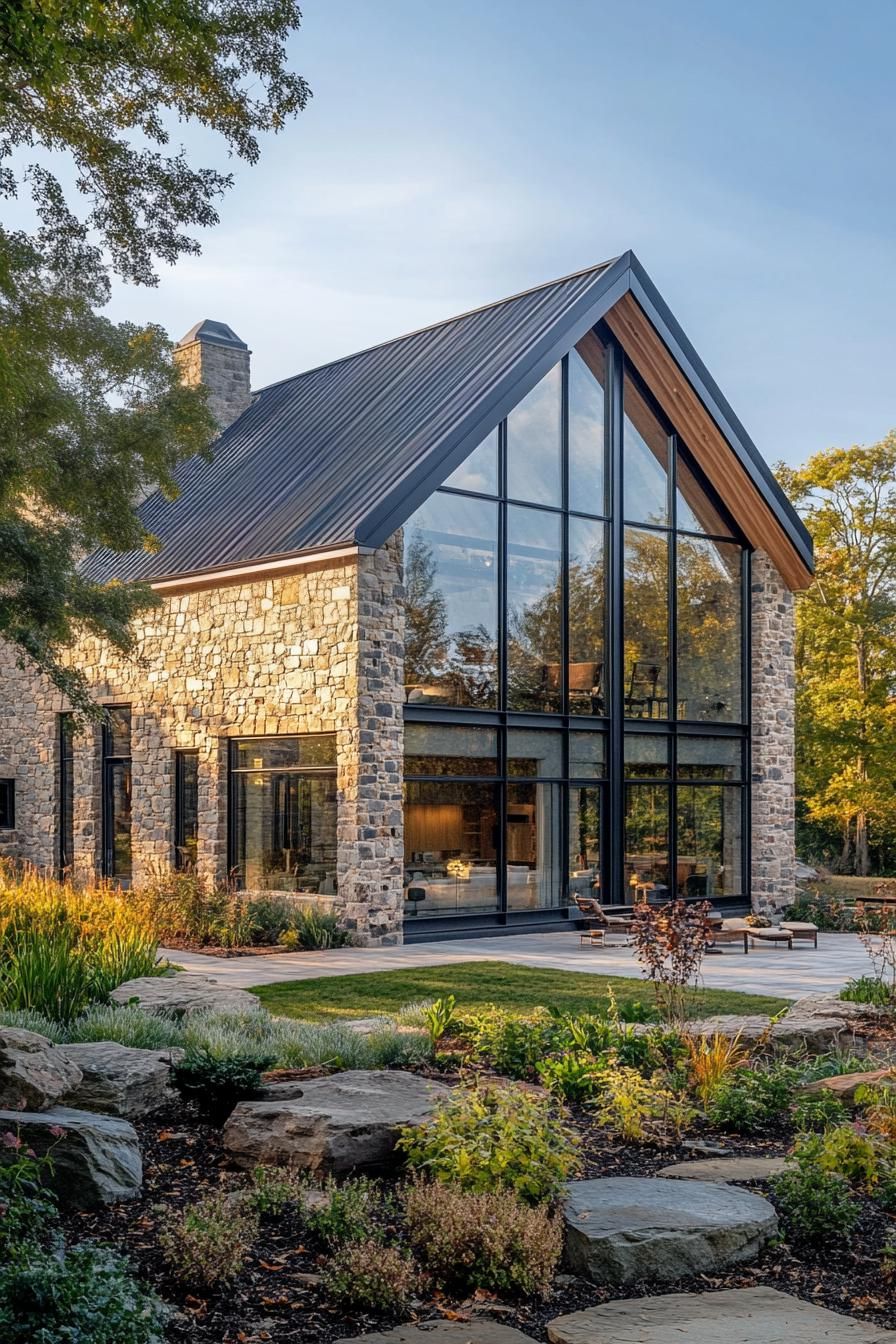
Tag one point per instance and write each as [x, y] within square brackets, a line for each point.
[338, 455]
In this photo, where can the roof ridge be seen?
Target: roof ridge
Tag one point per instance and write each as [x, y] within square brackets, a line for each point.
[431, 326]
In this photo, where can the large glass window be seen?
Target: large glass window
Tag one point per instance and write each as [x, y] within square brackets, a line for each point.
[708, 587]
[534, 609]
[117, 793]
[283, 813]
[7, 804]
[451, 596]
[514, 640]
[534, 439]
[65, 798]
[186, 809]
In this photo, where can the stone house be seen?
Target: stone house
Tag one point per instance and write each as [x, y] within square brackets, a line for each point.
[451, 631]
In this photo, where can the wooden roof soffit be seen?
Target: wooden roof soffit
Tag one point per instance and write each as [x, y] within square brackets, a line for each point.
[660, 371]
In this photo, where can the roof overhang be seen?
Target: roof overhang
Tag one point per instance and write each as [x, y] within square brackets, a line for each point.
[252, 571]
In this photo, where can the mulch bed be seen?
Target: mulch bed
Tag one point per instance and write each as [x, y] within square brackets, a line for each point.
[277, 1296]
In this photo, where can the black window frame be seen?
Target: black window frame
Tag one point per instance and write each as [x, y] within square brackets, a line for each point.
[65, 795]
[7, 803]
[183, 755]
[612, 721]
[109, 760]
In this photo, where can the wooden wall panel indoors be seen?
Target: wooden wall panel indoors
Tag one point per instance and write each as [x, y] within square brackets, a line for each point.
[698, 430]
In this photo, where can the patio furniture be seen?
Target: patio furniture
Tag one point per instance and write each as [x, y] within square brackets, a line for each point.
[592, 938]
[599, 918]
[414, 895]
[777, 936]
[729, 931]
[801, 932]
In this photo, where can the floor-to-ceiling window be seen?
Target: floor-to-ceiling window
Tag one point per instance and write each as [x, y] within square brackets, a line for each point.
[575, 703]
[116, 788]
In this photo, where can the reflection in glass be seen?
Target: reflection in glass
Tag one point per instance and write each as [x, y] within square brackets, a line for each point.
[284, 831]
[587, 610]
[587, 755]
[450, 847]
[119, 795]
[479, 472]
[118, 730]
[451, 602]
[695, 511]
[66, 795]
[709, 841]
[186, 809]
[646, 632]
[449, 749]
[647, 841]
[534, 606]
[645, 461]
[534, 432]
[283, 753]
[587, 472]
[646, 755]
[534, 753]
[533, 846]
[709, 630]
[584, 841]
[710, 757]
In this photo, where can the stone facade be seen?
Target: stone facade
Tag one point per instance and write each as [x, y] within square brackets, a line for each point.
[316, 651]
[222, 363]
[772, 745]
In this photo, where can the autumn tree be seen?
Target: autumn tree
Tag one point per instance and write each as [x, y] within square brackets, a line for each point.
[846, 649]
[91, 411]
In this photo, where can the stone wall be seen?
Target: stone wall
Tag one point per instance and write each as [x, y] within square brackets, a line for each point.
[225, 371]
[773, 762]
[317, 651]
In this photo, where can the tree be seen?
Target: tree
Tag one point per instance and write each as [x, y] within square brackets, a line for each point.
[846, 649]
[91, 411]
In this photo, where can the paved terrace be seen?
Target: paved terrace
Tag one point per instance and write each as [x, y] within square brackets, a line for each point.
[767, 970]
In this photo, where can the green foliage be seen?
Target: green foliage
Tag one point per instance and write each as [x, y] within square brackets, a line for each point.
[128, 1024]
[28, 1212]
[878, 1106]
[750, 1099]
[482, 1242]
[367, 1276]
[638, 1108]
[312, 929]
[842, 1151]
[818, 1111]
[273, 1189]
[85, 1295]
[208, 1242]
[495, 1138]
[339, 1214]
[26, 1019]
[867, 989]
[816, 1208]
[571, 1076]
[62, 947]
[512, 1045]
[216, 1084]
[438, 1016]
[829, 913]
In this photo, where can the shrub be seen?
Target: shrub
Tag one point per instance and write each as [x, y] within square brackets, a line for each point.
[273, 1189]
[712, 1059]
[495, 1138]
[830, 913]
[346, 1212]
[818, 1111]
[867, 989]
[26, 1020]
[208, 1242]
[370, 1276]
[670, 943]
[216, 1085]
[223, 1035]
[85, 1294]
[512, 1045]
[637, 1108]
[842, 1151]
[128, 1025]
[878, 1106]
[313, 928]
[816, 1207]
[834, 1063]
[28, 1211]
[62, 947]
[438, 1016]
[489, 1242]
[749, 1100]
[571, 1076]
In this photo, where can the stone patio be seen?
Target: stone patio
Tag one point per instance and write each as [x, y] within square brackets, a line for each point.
[767, 970]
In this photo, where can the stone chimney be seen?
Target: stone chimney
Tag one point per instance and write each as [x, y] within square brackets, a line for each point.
[213, 354]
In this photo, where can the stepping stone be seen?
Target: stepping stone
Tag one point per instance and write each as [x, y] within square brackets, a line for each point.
[622, 1229]
[118, 1079]
[734, 1316]
[845, 1085]
[96, 1158]
[726, 1169]
[34, 1073]
[445, 1332]
[347, 1122]
[181, 994]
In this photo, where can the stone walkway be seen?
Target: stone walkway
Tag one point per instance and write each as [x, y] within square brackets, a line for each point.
[767, 970]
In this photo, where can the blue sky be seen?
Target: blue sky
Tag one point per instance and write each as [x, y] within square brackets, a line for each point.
[455, 153]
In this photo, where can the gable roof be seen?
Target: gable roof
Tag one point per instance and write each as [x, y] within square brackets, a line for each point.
[342, 455]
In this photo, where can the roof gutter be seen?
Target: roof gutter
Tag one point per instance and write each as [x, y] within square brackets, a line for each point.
[254, 570]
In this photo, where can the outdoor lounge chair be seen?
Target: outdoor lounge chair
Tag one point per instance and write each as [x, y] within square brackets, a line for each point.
[802, 932]
[599, 918]
[775, 935]
[730, 931]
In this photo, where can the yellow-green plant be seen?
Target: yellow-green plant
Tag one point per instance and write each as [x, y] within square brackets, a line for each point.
[63, 947]
[711, 1059]
[878, 1106]
[639, 1108]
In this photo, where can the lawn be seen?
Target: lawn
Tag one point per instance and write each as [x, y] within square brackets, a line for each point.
[474, 983]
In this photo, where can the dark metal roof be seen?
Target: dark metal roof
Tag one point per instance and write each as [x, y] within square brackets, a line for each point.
[344, 453]
[213, 333]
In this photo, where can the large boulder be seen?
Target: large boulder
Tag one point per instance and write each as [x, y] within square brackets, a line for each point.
[732, 1316]
[831, 1005]
[96, 1158]
[181, 994]
[845, 1085]
[624, 1229]
[118, 1079]
[347, 1122]
[34, 1073]
[814, 1034]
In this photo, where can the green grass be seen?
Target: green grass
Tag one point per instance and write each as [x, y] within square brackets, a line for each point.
[474, 983]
